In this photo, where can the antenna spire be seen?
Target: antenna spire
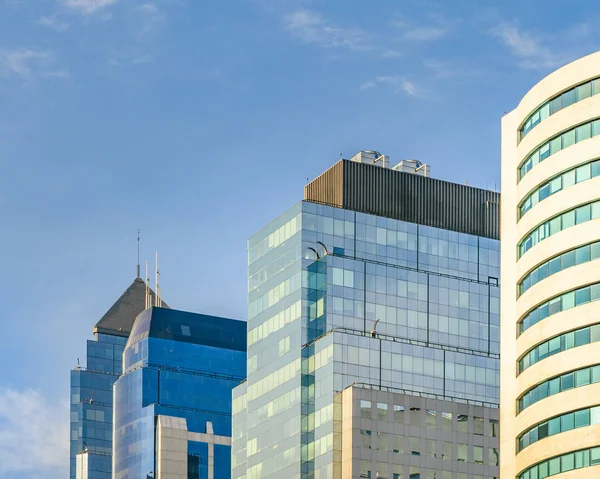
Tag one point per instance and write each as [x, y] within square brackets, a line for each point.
[138, 255]
[157, 293]
[148, 297]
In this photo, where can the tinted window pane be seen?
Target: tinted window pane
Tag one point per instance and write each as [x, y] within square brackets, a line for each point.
[583, 214]
[582, 255]
[583, 91]
[584, 132]
[582, 418]
[582, 296]
[583, 173]
[555, 105]
[568, 139]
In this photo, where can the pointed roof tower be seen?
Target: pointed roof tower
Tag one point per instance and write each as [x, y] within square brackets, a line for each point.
[119, 319]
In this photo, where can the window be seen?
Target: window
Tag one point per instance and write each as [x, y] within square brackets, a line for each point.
[398, 444]
[478, 454]
[582, 418]
[558, 344]
[381, 441]
[462, 422]
[430, 418]
[560, 182]
[557, 425]
[461, 455]
[365, 469]
[398, 413]
[493, 457]
[558, 143]
[382, 409]
[559, 223]
[564, 100]
[365, 438]
[478, 426]
[447, 450]
[185, 330]
[446, 419]
[568, 139]
[382, 471]
[415, 416]
[365, 409]
[430, 446]
[579, 378]
[567, 462]
[415, 447]
[494, 430]
[560, 303]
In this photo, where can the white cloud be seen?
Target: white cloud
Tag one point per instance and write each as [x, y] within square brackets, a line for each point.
[87, 7]
[62, 74]
[531, 51]
[147, 8]
[419, 33]
[28, 64]
[54, 23]
[34, 433]
[152, 18]
[397, 83]
[22, 62]
[310, 27]
[391, 54]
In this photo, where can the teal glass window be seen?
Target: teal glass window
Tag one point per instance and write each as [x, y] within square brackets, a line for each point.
[558, 143]
[583, 132]
[556, 104]
[566, 341]
[559, 424]
[561, 222]
[558, 183]
[560, 303]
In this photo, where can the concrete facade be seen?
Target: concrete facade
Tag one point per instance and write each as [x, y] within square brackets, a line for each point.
[544, 335]
[172, 437]
[390, 434]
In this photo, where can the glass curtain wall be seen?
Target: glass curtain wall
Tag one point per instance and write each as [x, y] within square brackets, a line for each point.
[434, 292]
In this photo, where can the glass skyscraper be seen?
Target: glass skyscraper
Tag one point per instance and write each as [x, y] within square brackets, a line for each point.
[373, 332]
[91, 395]
[172, 415]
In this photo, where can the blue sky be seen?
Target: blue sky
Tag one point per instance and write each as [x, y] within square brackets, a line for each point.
[200, 121]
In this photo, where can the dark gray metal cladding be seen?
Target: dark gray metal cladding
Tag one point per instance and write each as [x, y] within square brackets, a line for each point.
[408, 197]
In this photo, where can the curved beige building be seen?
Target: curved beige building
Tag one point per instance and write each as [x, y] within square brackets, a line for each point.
[550, 253]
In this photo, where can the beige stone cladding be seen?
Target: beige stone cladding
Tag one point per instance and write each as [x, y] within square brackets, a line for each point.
[550, 276]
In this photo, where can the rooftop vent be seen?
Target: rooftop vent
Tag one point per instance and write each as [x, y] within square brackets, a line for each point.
[373, 157]
[413, 166]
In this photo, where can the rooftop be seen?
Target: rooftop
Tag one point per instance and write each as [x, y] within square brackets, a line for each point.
[119, 319]
[372, 189]
[188, 327]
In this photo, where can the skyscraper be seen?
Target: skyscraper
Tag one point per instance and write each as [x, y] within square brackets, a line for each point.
[91, 395]
[172, 415]
[550, 276]
[373, 341]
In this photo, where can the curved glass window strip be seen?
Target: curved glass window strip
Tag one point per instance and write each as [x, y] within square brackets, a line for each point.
[569, 218]
[574, 257]
[559, 102]
[559, 303]
[564, 463]
[564, 342]
[556, 425]
[560, 182]
[558, 384]
[558, 143]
